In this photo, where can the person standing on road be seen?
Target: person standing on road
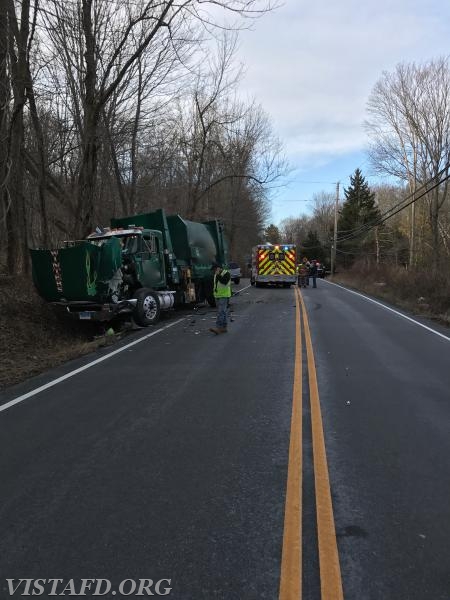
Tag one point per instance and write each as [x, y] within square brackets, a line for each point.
[313, 272]
[302, 275]
[222, 294]
[306, 264]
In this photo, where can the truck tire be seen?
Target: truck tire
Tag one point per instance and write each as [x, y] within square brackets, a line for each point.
[200, 293]
[147, 309]
[208, 292]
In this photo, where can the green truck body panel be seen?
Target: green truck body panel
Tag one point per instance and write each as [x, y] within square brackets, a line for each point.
[196, 245]
[166, 253]
[79, 272]
[156, 220]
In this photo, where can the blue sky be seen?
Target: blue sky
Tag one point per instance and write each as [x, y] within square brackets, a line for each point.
[312, 67]
[302, 184]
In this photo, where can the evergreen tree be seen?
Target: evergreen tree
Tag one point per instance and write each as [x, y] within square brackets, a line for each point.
[272, 234]
[358, 211]
[312, 248]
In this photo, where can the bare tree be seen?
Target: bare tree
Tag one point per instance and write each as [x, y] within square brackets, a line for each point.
[90, 83]
[18, 33]
[5, 87]
[322, 220]
[109, 39]
[295, 230]
[393, 236]
[409, 126]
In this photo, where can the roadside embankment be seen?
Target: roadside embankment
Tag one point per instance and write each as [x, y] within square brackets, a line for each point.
[422, 293]
[33, 338]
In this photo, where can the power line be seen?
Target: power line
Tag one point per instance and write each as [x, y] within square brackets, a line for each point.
[399, 206]
[318, 182]
[286, 201]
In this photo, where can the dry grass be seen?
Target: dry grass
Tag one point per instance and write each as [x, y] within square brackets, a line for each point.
[32, 337]
[423, 293]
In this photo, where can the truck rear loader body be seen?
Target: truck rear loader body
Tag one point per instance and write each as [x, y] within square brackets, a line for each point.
[139, 266]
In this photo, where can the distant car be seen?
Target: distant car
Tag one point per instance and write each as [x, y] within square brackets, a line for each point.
[235, 272]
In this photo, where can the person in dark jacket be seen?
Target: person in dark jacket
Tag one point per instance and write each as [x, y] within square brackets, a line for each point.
[313, 272]
[302, 275]
[306, 264]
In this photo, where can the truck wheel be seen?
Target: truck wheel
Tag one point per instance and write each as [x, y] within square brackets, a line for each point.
[147, 309]
[200, 293]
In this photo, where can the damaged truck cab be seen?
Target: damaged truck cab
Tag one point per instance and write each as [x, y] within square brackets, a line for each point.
[140, 266]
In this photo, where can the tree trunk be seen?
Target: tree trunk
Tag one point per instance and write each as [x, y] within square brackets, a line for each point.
[434, 222]
[16, 226]
[88, 168]
[5, 86]
[134, 137]
[377, 246]
[87, 179]
[412, 239]
[42, 173]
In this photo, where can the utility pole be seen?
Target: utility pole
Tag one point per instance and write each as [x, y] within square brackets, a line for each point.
[333, 247]
[412, 242]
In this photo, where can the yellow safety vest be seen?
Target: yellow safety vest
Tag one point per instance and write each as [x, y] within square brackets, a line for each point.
[222, 290]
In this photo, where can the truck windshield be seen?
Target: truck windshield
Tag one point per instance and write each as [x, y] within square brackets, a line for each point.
[130, 244]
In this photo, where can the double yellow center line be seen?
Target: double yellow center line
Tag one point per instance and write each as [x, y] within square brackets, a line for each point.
[291, 559]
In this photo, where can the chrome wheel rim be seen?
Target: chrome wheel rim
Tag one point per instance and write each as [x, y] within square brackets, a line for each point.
[150, 307]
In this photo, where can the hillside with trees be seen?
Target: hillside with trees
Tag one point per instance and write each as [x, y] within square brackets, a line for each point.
[112, 108]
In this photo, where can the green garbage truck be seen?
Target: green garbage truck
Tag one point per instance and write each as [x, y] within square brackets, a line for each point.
[140, 265]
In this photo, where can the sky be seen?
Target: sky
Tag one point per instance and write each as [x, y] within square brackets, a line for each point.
[312, 65]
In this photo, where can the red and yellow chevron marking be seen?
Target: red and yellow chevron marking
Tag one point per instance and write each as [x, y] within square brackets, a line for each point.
[276, 261]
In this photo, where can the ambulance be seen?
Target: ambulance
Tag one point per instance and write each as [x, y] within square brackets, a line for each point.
[274, 264]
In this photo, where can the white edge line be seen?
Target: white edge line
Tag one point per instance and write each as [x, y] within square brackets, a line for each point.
[237, 292]
[83, 368]
[391, 310]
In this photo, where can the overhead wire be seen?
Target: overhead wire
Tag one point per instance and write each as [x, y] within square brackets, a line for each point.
[410, 199]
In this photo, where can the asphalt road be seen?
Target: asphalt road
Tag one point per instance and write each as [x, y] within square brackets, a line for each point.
[169, 459]
[385, 392]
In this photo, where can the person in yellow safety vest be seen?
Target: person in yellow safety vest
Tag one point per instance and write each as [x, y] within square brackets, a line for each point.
[222, 294]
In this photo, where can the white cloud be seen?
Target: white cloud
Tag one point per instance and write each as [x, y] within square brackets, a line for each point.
[312, 66]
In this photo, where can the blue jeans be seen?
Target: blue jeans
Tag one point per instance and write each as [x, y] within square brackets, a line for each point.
[314, 277]
[222, 312]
